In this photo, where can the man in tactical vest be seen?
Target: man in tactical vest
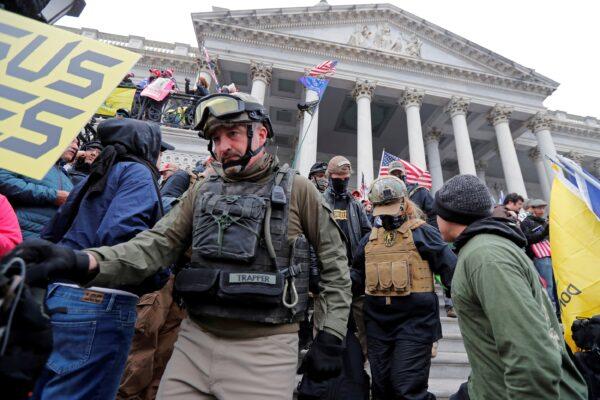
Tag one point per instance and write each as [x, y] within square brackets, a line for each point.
[397, 262]
[417, 194]
[249, 226]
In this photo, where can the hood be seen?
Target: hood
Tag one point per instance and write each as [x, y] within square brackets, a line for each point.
[503, 227]
[140, 138]
[176, 185]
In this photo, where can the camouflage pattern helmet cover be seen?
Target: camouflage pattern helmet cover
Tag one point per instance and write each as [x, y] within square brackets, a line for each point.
[387, 195]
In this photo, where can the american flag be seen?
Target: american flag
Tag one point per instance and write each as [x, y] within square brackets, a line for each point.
[325, 68]
[541, 249]
[414, 174]
[363, 187]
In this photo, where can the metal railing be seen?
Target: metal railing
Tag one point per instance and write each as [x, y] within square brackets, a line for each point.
[177, 110]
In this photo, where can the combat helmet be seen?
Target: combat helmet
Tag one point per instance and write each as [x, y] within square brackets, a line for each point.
[224, 109]
[388, 195]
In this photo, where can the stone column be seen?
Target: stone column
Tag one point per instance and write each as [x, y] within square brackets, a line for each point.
[411, 100]
[498, 117]
[261, 78]
[457, 109]
[538, 161]
[363, 93]
[432, 142]
[480, 167]
[306, 153]
[540, 125]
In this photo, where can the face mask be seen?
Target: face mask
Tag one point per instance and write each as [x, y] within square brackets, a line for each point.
[391, 222]
[321, 183]
[340, 186]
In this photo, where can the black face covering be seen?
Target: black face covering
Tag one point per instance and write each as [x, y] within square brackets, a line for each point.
[391, 222]
[339, 186]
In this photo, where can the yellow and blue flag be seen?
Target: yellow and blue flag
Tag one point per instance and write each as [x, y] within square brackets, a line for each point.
[575, 243]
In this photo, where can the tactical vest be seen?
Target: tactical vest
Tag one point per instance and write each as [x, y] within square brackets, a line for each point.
[393, 266]
[242, 265]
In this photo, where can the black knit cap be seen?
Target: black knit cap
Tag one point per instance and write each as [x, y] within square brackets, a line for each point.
[463, 199]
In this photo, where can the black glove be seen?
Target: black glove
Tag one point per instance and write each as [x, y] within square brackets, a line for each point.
[324, 358]
[47, 262]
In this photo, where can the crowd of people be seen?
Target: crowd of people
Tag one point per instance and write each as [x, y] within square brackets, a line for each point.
[173, 284]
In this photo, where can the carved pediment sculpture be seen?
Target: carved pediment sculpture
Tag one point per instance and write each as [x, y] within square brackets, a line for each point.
[361, 35]
[383, 39]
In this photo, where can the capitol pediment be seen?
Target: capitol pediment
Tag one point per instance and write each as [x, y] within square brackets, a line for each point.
[380, 33]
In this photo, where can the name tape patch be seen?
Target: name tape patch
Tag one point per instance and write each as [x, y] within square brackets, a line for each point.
[252, 278]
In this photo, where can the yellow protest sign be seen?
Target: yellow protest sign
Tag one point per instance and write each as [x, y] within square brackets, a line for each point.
[121, 97]
[51, 82]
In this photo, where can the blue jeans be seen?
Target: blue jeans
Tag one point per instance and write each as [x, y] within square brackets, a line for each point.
[544, 268]
[92, 333]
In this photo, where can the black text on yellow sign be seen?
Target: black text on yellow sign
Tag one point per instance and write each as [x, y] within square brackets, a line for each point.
[51, 82]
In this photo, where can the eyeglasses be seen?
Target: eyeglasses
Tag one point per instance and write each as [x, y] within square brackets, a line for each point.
[218, 105]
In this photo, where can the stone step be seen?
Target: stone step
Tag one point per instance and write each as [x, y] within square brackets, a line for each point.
[444, 388]
[450, 366]
[451, 343]
[449, 325]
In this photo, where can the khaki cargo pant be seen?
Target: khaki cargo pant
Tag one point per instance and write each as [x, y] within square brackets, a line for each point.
[156, 330]
[204, 366]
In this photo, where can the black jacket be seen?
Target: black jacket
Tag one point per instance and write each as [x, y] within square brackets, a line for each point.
[358, 222]
[535, 230]
[423, 199]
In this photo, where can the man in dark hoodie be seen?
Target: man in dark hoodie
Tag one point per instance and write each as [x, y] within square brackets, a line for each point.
[511, 334]
[83, 165]
[93, 327]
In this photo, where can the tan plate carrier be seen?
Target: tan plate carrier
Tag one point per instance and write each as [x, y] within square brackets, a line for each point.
[393, 266]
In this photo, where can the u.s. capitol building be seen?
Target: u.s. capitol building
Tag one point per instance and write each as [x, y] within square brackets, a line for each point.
[402, 84]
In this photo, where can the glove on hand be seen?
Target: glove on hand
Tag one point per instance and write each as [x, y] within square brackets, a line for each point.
[47, 261]
[324, 358]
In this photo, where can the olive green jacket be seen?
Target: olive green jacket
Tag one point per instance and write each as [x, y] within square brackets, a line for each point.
[512, 337]
[130, 262]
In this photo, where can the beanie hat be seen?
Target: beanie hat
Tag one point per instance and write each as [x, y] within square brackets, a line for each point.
[463, 199]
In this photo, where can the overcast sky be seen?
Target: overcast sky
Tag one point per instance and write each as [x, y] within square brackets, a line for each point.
[557, 38]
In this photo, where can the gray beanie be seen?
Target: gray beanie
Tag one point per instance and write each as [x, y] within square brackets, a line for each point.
[463, 199]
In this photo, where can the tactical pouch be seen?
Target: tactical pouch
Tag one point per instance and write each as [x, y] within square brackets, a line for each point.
[229, 227]
[253, 289]
[387, 278]
[196, 284]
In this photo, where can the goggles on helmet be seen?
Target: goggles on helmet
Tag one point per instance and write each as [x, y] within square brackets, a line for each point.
[218, 105]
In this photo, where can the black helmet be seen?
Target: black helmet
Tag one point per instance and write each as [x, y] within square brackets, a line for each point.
[317, 167]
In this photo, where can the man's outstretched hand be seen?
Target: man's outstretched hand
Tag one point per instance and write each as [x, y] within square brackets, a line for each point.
[47, 262]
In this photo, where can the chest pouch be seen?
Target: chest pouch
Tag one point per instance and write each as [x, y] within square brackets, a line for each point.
[254, 289]
[229, 227]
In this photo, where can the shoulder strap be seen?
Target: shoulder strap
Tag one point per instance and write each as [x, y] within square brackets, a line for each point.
[411, 224]
[414, 190]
